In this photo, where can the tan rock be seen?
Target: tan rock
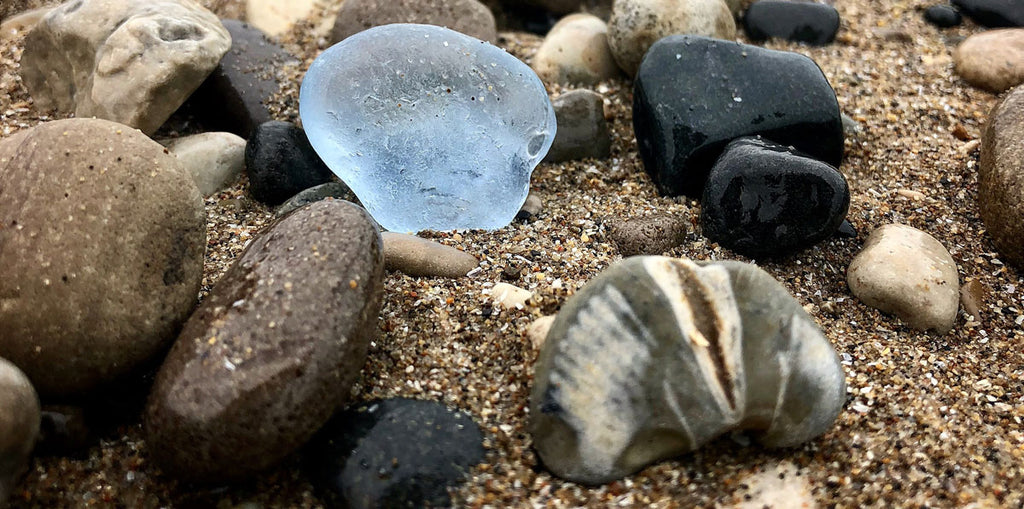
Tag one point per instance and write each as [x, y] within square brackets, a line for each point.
[510, 296]
[1001, 177]
[415, 256]
[469, 17]
[992, 60]
[576, 51]
[214, 159]
[537, 332]
[276, 17]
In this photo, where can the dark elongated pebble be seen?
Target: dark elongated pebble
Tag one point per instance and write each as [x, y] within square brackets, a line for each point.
[281, 163]
[393, 453]
[693, 95]
[763, 199]
[942, 16]
[993, 13]
[795, 21]
[335, 190]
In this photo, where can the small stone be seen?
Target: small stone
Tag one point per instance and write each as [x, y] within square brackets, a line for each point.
[102, 256]
[764, 199]
[510, 296]
[972, 298]
[906, 272]
[335, 190]
[537, 332]
[22, 23]
[582, 129]
[281, 163]
[807, 22]
[417, 257]
[276, 17]
[273, 350]
[846, 230]
[63, 431]
[394, 453]
[1001, 177]
[681, 133]
[637, 24]
[851, 128]
[777, 485]
[993, 13]
[532, 207]
[469, 17]
[215, 160]
[19, 425]
[657, 356]
[576, 51]
[649, 235]
[943, 16]
[134, 62]
[992, 60]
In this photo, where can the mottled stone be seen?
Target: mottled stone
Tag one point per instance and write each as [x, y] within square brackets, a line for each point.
[281, 163]
[394, 453]
[273, 350]
[334, 190]
[943, 16]
[993, 13]
[657, 356]
[414, 256]
[214, 159]
[906, 272]
[103, 238]
[582, 129]
[1001, 177]
[649, 235]
[469, 17]
[992, 60]
[19, 425]
[576, 51]
[807, 22]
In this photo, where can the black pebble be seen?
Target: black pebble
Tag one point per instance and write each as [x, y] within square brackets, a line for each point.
[942, 16]
[993, 13]
[806, 22]
[281, 163]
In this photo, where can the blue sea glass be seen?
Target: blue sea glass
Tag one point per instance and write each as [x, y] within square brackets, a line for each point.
[432, 129]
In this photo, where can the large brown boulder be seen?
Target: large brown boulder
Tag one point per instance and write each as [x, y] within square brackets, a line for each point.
[1001, 177]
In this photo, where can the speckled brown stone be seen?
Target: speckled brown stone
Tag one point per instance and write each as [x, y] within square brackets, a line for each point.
[467, 16]
[1001, 176]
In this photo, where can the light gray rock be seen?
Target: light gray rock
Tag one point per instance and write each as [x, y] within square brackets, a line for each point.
[576, 51]
[130, 61]
[215, 159]
[582, 129]
[657, 356]
[19, 425]
[906, 272]
[637, 24]
[1001, 177]
[415, 256]
[334, 190]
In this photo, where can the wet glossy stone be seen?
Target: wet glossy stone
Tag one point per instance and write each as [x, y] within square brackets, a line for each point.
[281, 163]
[764, 199]
[807, 22]
[942, 16]
[693, 95]
[993, 13]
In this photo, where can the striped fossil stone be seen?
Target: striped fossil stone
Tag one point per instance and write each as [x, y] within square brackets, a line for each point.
[657, 356]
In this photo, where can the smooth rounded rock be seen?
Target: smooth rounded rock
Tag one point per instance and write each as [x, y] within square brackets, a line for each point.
[905, 272]
[806, 22]
[394, 453]
[469, 17]
[657, 356]
[415, 256]
[1001, 177]
[214, 159]
[943, 16]
[576, 51]
[134, 62]
[635, 25]
[103, 238]
[331, 190]
[281, 163]
[277, 17]
[19, 425]
[993, 13]
[582, 129]
[764, 199]
[531, 208]
[992, 60]
[273, 350]
[649, 235]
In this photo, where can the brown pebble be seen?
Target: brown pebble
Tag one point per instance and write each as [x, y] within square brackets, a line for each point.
[972, 296]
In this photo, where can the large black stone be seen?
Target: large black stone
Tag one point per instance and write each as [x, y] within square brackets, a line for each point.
[993, 13]
[793, 21]
[393, 453]
[942, 16]
[281, 163]
[693, 95]
[764, 199]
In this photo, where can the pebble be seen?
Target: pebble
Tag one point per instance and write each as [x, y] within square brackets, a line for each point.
[131, 62]
[778, 485]
[418, 257]
[510, 296]
[943, 16]
[972, 298]
[992, 60]
[576, 51]
[993, 13]
[100, 279]
[636, 24]
[537, 332]
[237, 94]
[657, 356]
[681, 133]
[851, 128]
[335, 190]
[281, 163]
[394, 453]
[531, 208]
[63, 431]
[273, 350]
[649, 235]
[469, 17]
[276, 17]
[582, 129]
[1001, 177]
[905, 272]
[19, 425]
[22, 23]
[214, 159]
[806, 22]
[764, 199]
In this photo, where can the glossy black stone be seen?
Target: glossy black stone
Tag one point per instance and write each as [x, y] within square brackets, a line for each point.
[764, 199]
[693, 95]
[993, 13]
[806, 22]
[942, 16]
[393, 453]
[281, 163]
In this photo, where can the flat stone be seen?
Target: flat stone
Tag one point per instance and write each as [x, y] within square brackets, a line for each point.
[806, 22]
[276, 17]
[582, 129]
[993, 13]
[134, 62]
[681, 133]
[417, 257]
[992, 60]
[649, 235]
[905, 272]
[19, 425]
[943, 16]
[1001, 177]
[102, 255]
[469, 17]
[214, 159]
[273, 350]
[576, 51]
[281, 163]
[331, 190]
[657, 356]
